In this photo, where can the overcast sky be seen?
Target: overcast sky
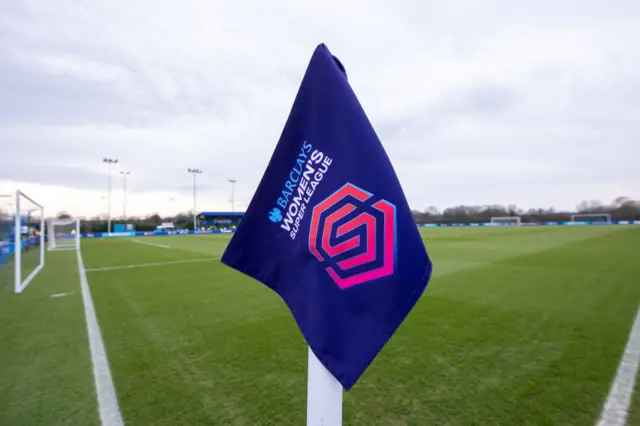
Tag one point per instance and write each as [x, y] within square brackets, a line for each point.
[535, 103]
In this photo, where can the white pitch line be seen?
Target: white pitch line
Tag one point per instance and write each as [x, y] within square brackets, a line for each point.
[144, 265]
[151, 244]
[616, 408]
[105, 391]
[59, 294]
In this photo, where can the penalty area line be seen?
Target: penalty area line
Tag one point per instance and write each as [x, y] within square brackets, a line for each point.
[616, 408]
[105, 391]
[146, 265]
[150, 244]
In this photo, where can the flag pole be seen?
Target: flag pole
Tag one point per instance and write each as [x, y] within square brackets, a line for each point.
[324, 395]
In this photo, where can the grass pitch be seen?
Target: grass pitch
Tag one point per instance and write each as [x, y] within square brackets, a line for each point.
[519, 326]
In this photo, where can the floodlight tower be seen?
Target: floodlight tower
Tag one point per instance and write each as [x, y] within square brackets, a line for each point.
[233, 194]
[124, 194]
[172, 213]
[195, 172]
[109, 161]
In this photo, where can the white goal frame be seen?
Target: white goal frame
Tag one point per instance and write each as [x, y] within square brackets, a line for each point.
[51, 243]
[20, 285]
[500, 219]
[588, 215]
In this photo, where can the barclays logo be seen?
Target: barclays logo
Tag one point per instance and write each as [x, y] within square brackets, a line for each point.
[275, 215]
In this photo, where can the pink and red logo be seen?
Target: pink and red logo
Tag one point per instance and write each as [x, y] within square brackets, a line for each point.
[354, 236]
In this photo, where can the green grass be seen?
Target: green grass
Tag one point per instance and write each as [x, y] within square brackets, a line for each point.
[519, 326]
[45, 369]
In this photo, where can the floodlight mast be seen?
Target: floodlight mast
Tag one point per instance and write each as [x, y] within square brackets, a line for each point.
[172, 212]
[233, 194]
[195, 172]
[124, 195]
[109, 161]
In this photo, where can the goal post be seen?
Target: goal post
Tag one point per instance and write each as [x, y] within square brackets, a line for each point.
[27, 240]
[506, 220]
[63, 234]
[591, 217]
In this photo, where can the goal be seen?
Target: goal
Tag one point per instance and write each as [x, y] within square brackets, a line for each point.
[591, 217]
[507, 220]
[7, 224]
[21, 240]
[63, 234]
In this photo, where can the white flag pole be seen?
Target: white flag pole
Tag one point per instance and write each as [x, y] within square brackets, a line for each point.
[324, 395]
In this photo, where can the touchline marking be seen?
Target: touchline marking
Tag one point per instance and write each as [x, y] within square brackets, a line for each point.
[144, 265]
[151, 244]
[616, 408]
[105, 391]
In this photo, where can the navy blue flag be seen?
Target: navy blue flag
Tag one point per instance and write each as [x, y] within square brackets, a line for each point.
[329, 228]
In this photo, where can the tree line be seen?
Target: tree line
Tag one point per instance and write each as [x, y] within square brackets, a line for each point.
[621, 208]
[98, 224]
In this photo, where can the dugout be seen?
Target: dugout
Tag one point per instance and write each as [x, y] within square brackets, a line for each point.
[219, 220]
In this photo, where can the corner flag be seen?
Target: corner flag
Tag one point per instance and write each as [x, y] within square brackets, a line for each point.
[329, 228]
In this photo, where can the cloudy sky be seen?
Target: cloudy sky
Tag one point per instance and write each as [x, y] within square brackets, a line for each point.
[528, 102]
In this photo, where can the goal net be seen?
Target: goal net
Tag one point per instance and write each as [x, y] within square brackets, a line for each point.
[507, 220]
[63, 234]
[7, 223]
[21, 240]
[591, 217]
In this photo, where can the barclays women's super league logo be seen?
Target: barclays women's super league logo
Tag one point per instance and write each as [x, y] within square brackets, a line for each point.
[275, 215]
